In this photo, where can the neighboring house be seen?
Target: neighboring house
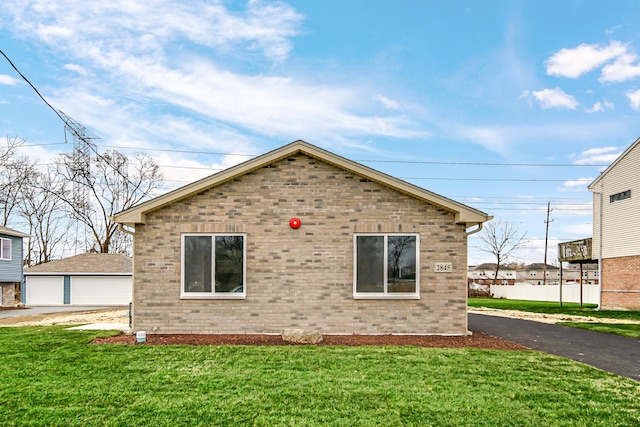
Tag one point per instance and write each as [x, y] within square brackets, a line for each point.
[11, 260]
[86, 279]
[616, 230]
[534, 274]
[300, 238]
[484, 274]
[590, 275]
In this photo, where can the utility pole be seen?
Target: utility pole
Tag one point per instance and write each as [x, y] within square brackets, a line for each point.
[546, 239]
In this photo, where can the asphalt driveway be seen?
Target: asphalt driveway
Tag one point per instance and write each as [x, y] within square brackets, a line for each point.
[611, 353]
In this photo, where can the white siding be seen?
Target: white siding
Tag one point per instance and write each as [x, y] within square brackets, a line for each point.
[44, 290]
[100, 290]
[620, 219]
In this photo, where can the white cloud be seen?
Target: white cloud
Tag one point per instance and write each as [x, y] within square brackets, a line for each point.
[53, 33]
[634, 97]
[573, 63]
[389, 104]
[145, 27]
[579, 184]
[612, 30]
[600, 106]
[178, 171]
[595, 156]
[555, 98]
[173, 60]
[76, 68]
[622, 69]
[8, 80]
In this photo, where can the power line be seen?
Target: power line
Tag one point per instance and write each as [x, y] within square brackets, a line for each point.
[32, 86]
[78, 130]
[417, 162]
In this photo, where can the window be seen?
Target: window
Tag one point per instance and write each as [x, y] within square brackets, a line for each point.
[533, 273]
[620, 196]
[5, 249]
[386, 266]
[213, 266]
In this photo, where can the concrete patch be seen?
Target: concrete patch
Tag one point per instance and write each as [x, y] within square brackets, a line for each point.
[101, 327]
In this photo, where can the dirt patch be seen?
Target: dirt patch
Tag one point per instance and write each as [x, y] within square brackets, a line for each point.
[68, 318]
[477, 340]
[545, 317]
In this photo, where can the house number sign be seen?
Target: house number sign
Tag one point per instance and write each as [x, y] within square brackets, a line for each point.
[444, 267]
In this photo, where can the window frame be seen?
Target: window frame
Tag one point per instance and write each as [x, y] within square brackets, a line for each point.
[3, 256]
[617, 197]
[385, 295]
[213, 294]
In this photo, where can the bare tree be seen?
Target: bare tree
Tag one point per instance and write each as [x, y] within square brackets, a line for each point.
[114, 183]
[44, 212]
[502, 240]
[13, 179]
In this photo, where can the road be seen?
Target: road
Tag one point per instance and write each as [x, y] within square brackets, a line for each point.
[611, 353]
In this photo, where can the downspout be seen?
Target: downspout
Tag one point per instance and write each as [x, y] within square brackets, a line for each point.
[600, 248]
[466, 294]
[132, 234]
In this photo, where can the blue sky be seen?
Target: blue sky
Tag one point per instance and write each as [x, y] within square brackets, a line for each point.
[501, 105]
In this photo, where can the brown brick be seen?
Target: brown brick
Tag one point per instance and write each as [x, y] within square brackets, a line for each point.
[301, 277]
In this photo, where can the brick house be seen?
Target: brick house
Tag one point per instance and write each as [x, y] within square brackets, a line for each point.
[616, 230]
[300, 238]
[11, 262]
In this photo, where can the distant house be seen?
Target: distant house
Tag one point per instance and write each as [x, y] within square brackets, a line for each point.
[484, 274]
[11, 261]
[616, 230]
[535, 274]
[88, 279]
[301, 238]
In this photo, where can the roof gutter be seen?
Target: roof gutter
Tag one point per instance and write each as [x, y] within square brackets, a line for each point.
[124, 230]
[477, 230]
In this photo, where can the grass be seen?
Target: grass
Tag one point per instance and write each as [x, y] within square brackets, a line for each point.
[51, 377]
[627, 330]
[553, 308]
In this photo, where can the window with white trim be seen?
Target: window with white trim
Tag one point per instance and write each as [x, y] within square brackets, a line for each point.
[213, 266]
[5, 249]
[386, 266]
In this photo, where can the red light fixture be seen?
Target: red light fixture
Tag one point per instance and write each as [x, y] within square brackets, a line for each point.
[294, 222]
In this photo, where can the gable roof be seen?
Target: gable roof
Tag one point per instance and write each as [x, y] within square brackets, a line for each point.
[464, 214]
[89, 263]
[538, 266]
[10, 232]
[592, 186]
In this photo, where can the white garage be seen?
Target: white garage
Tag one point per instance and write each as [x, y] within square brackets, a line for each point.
[102, 290]
[82, 280]
[45, 290]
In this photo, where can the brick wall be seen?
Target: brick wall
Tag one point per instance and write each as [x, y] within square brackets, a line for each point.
[621, 283]
[299, 278]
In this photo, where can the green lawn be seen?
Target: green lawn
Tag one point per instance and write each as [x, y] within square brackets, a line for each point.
[50, 376]
[626, 330]
[553, 308]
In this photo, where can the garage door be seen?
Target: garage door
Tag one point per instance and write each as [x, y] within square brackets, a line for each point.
[43, 290]
[100, 290]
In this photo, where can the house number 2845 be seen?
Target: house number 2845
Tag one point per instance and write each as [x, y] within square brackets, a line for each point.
[444, 267]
